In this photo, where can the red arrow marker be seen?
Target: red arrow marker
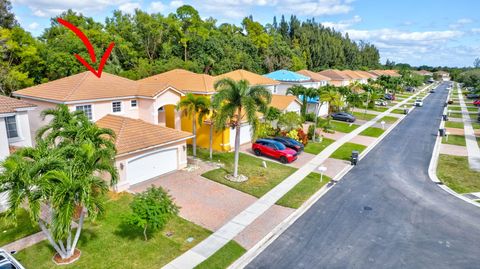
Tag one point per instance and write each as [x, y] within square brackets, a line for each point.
[90, 49]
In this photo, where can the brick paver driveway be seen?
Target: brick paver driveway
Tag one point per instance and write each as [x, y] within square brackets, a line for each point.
[210, 204]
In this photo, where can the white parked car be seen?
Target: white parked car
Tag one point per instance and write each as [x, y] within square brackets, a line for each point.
[8, 262]
[418, 102]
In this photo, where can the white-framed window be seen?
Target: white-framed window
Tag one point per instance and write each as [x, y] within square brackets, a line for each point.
[11, 125]
[116, 107]
[133, 103]
[87, 109]
[161, 109]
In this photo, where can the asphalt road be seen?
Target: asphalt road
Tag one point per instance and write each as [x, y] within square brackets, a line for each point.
[385, 213]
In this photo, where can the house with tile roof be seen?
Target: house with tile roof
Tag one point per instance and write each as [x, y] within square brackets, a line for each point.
[287, 79]
[14, 125]
[313, 103]
[148, 143]
[337, 78]
[442, 75]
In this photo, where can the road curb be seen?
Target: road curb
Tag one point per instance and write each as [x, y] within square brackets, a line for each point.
[432, 168]
[261, 245]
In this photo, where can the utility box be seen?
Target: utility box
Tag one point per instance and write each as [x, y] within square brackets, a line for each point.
[442, 131]
[354, 157]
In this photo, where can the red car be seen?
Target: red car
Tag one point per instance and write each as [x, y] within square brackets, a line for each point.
[274, 149]
[476, 102]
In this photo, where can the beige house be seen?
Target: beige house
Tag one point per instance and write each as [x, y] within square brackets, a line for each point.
[337, 77]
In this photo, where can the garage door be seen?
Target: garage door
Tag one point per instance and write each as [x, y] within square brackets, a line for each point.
[152, 165]
[245, 135]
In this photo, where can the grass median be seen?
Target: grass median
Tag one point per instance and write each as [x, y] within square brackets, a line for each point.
[372, 132]
[303, 190]
[345, 151]
[455, 172]
[223, 257]
[343, 127]
[457, 140]
[317, 147]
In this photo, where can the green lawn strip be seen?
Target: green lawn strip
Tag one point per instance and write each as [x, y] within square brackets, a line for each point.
[376, 108]
[363, 116]
[343, 127]
[458, 140]
[398, 111]
[11, 231]
[457, 108]
[317, 147]
[260, 179]
[475, 125]
[345, 151]
[372, 131]
[454, 124]
[455, 115]
[223, 257]
[456, 174]
[303, 190]
[388, 119]
[110, 243]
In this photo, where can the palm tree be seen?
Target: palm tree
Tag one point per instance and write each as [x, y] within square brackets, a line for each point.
[303, 94]
[332, 97]
[196, 107]
[65, 176]
[236, 101]
[61, 118]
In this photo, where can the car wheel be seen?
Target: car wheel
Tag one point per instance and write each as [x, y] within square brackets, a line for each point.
[283, 160]
[257, 152]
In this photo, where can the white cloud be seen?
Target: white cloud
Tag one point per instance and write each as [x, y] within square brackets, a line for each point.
[176, 4]
[50, 8]
[315, 7]
[344, 24]
[129, 7]
[157, 7]
[460, 23]
[33, 26]
[464, 21]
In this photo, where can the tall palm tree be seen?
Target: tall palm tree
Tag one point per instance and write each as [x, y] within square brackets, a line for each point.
[196, 107]
[333, 98]
[61, 118]
[235, 102]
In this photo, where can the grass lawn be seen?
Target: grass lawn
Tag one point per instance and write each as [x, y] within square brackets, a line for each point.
[317, 147]
[388, 119]
[260, 180]
[345, 151]
[376, 108]
[455, 115]
[9, 232]
[457, 108]
[303, 190]
[398, 111]
[109, 243]
[363, 116]
[456, 174]
[454, 124]
[458, 140]
[223, 257]
[373, 132]
[343, 127]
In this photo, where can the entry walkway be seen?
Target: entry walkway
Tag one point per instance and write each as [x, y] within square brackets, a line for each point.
[472, 145]
[239, 223]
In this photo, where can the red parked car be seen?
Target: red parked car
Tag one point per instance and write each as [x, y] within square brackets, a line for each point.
[476, 102]
[274, 149]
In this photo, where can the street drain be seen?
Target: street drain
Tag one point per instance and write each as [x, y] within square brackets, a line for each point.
[367, 208]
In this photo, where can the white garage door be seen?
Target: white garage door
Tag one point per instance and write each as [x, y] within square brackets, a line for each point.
[151, 165]
[245, 135]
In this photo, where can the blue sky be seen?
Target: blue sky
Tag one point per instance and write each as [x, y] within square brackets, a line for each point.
[431, 32]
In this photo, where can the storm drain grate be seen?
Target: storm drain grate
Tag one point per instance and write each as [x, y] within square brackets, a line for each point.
[367, 208]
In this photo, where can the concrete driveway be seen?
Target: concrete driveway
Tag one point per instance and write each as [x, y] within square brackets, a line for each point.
[386, 212]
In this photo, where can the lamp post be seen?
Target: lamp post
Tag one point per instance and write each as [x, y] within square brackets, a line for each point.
[322, 169]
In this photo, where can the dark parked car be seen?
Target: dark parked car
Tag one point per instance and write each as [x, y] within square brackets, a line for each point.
[410, 89]
[290, 143]
[343, 116]
[389, 96]
[473, 96]
[432, 91]
[274, 149]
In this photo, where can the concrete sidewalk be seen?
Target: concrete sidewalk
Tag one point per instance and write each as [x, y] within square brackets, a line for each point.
[239, 223]
[472, 145]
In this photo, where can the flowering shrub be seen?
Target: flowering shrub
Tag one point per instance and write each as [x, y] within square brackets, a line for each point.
[297, 134]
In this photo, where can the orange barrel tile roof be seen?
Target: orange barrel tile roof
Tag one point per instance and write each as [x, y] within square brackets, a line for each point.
[314, 76]
[11, 105]
[282, 101]
[184, 81]
[365, 74]
[134, 135]
[252, 78]
[334, 74]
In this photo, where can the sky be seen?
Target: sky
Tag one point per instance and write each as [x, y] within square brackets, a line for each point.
[417, 32]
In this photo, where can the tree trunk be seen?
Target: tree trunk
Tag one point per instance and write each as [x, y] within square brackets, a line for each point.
[211, 140]
[145, 233]
[194, 129]
[237, 142]
[317, 110]
[79, 230]
[50, 239]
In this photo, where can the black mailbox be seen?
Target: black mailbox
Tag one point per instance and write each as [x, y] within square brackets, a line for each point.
[354, 157]
[441, 131]
[445, 117]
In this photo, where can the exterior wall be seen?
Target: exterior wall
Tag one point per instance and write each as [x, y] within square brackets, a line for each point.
[294, 107]
[101, 109]
[23, 128]
[4, 149]
[323, 111]
[337, 82]
[34, 116]
[121, 162]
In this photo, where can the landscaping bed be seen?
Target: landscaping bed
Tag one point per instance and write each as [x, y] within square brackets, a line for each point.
[456, 174]
[303, 190]
[260, 179]
[109, 243]
[345, 151]
[317, 147]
